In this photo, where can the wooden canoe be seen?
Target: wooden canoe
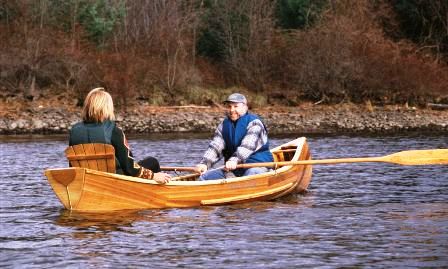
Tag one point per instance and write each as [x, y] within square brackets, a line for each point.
[87, 190]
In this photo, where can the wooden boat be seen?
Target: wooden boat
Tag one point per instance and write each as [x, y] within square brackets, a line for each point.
[89, 190]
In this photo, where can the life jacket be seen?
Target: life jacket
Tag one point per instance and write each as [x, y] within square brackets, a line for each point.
[233, 134]
[93, 132]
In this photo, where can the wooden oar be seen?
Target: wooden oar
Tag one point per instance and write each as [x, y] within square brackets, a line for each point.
[186, 177]
[179, 169]
[409, 157]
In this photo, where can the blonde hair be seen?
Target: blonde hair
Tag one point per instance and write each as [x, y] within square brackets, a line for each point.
[98, 106]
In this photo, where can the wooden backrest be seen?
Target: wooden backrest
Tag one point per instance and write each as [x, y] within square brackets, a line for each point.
[95, 156]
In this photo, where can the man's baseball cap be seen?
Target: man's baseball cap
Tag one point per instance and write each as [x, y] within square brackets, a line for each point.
[236, 98]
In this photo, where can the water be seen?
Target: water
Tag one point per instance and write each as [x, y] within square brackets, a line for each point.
[355, 215]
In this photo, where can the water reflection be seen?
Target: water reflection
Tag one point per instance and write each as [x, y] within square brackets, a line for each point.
[118, 220]
[106, 222]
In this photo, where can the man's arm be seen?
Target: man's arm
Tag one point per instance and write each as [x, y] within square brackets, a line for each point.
[215, 149]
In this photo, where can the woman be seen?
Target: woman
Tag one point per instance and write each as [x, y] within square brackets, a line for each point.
[98, 126]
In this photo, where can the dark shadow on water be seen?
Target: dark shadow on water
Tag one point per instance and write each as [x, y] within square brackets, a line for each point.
[102, 221]
[25, 138]
[117, 220]
[110, 221]
[294, 198]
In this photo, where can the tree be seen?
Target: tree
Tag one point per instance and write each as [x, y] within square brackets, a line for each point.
[298, 14]
[425, 22]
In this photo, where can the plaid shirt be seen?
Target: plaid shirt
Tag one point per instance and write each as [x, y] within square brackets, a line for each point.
[254, 139]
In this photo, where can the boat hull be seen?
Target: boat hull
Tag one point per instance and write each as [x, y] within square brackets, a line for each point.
[82, 189]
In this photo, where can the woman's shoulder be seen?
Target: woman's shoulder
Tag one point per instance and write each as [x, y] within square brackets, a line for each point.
[78, 124]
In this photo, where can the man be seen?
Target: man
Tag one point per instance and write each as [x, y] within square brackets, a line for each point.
[240, 138]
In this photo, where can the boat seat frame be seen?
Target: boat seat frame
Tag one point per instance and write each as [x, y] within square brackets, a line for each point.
[96, 156]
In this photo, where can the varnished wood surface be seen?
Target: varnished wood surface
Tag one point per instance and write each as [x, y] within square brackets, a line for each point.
[407, 157]
[84, 189]
[94, 156]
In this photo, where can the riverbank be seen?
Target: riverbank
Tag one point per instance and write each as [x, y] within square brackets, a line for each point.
[52, 118]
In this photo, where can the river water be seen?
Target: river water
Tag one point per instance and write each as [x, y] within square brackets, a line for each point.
[363, 215]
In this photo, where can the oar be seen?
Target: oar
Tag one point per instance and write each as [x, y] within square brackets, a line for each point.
[182, 178]
[408, 157]
[179, 169]
[185, 168]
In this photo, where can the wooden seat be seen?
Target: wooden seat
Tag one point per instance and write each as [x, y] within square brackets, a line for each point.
[285, 153]
[94, 156]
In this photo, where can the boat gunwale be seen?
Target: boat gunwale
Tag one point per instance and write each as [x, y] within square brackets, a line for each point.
[299, 142]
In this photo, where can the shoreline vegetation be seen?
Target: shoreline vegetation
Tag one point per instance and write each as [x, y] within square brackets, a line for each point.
[306, 66]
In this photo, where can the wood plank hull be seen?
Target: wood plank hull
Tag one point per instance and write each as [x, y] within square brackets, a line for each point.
[86, 190]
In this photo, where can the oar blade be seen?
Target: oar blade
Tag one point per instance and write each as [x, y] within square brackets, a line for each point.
[419, 157]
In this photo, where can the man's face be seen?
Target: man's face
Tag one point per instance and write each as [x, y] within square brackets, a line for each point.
[236, 110]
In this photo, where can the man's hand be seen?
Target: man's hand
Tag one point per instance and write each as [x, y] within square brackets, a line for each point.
[231, 165]
[161, 178]
[201, 168]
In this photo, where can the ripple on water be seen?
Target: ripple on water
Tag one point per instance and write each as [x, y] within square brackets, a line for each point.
[354, 215]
